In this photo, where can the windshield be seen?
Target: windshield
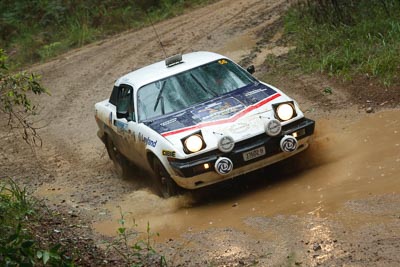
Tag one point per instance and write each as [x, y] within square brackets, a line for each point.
[191, 87]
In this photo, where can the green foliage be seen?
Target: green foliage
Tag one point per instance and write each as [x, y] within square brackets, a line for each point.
[135, 250]
[51, 50]
[37, 30]
[347, 38]
[17, 245]
[327, 90]
[13, 88]
[14, 100]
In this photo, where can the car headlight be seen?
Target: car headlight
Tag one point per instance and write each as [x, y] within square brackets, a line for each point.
[285, 111]
[194, 143]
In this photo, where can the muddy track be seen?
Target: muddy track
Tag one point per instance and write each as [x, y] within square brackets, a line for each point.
[82, 77]
[314, 209]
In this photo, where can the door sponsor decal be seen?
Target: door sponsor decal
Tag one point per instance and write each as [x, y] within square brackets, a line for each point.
[147, 140]
[122, 127]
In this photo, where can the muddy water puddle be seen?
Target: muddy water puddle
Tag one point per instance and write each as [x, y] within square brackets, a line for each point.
[347, 162]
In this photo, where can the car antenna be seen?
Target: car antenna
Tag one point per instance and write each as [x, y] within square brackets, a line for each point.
[158, 37]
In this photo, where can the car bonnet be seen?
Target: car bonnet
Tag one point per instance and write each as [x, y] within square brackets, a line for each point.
[224, 109]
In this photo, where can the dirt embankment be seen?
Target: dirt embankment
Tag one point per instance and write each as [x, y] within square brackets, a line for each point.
[337, 205]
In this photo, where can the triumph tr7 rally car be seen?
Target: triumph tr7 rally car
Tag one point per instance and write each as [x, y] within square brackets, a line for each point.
[198, 119]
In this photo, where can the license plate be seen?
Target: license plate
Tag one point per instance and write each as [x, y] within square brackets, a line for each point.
[255, 153]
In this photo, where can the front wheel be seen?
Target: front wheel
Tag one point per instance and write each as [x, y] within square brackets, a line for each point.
[164, 185]
[121, 163]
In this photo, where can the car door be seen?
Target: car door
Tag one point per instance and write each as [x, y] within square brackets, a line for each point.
[125, 124]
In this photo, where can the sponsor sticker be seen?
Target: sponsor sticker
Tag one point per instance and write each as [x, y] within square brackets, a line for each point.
[223, 166]
[121, 126]
[288, 143]
[226, 144]
[256, 91]
[219, 110]
[168, 153]
[239, 127]
[165, 123]
[273, 127]
[147, 140]
[110, 119]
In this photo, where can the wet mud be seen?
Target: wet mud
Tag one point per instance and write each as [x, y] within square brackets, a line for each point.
[335, 204]
[345, 182]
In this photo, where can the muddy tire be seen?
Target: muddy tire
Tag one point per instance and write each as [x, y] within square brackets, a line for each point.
[121, 163]
[165, 187]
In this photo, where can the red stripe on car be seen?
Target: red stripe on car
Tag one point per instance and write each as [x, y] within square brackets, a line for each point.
[232, 119]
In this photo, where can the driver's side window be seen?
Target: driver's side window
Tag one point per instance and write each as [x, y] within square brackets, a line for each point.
[125, 107]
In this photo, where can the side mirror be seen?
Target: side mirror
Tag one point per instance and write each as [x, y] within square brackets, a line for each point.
[251, 69]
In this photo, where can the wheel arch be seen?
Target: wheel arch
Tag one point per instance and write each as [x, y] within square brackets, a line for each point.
[107, 132]
[150, 156]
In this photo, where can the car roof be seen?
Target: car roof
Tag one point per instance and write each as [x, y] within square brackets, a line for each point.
[159, 70]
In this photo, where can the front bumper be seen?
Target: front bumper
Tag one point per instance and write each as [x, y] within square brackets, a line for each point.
[191, 173]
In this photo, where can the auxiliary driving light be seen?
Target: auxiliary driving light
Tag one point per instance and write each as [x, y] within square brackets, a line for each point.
[273, 127]
[226, 144]
[288, 143]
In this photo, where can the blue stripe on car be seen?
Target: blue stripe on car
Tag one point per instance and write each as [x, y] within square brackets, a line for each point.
[218, 108]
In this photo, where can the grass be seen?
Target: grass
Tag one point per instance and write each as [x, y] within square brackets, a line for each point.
[134, 247]
[18, 246]
[32, 31]
[31, 235]
[355, 38]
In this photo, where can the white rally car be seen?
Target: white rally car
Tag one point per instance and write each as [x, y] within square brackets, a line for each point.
[198, 119]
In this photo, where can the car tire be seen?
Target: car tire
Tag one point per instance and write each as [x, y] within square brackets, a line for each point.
[121, 163]
[164, 185]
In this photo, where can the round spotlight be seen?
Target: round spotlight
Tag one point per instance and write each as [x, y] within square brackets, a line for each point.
[226, 144]
[285, 112]
[273, 127]
[194, 143]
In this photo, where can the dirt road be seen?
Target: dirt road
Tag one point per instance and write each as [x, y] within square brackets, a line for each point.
[336, 204]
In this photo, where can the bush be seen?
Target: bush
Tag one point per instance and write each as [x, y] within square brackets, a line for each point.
[17, 244]
[347, 38]
[14, 101]
[29, 29]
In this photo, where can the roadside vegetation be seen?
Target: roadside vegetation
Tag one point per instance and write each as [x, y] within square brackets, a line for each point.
[32, 31]
[15, 103]
[19, 215]
[33, 235]
[136, 248]
[346, 38]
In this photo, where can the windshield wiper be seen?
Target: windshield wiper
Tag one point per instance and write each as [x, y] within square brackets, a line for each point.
[203, 87]
[159, 97]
